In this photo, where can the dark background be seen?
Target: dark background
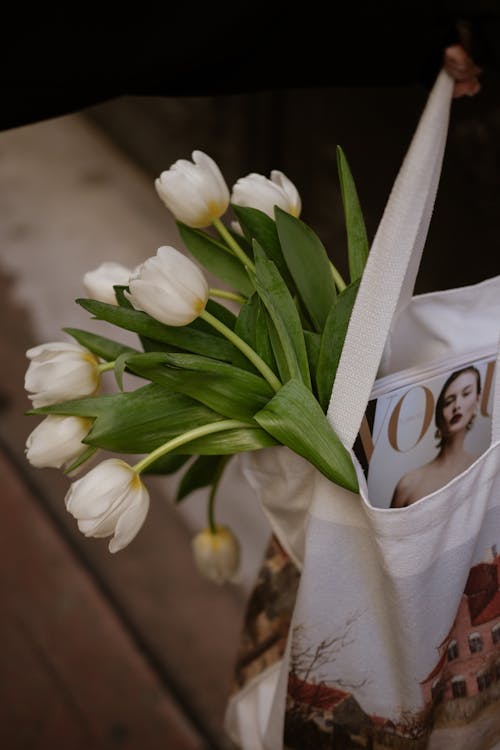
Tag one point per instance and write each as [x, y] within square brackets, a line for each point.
[132, 650]
[298, 131]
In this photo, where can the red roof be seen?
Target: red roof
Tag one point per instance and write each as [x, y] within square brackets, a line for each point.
[318, 695]
[483, 576]
[490, 611]
[482, 591]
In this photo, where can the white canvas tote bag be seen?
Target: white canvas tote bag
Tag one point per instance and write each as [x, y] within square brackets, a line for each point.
[395, 635]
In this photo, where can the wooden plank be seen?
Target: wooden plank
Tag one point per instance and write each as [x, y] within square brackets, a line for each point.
[71, 674]
[189, 627]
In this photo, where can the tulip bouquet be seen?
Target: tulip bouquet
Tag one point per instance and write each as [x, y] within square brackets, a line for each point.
[214, 382]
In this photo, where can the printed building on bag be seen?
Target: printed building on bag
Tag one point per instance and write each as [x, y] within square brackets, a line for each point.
[322, 716]
[469, 661]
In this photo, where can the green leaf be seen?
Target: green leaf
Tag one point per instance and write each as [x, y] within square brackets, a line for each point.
[228, 390]
[313, 343]
[168, 464]
[295, 419]
[120, 296]
[279, 304]
[229, 442]
[214, 256]
[202, 473]
[277, 348]
[104, 348]
[332, 341]
[81, 407]
[245, 329]
[251, 326]
[142, 420]
[257, 225]
[138, 421]
[357, 238]
[119, 368]
[309, 265]
[263, 344]
[182, 337]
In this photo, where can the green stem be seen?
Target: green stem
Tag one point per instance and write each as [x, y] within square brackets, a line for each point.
[249, 353]
[187, 437]
[106, 366]
[213, 492]
[223, 294]
[339, 281]
[231, 242]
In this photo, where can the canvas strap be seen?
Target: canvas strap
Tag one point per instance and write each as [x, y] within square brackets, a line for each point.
[392, 265]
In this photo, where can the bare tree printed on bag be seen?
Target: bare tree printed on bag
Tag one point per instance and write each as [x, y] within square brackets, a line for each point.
[316, 711]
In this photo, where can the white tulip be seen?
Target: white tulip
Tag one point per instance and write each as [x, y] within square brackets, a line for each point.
[257, 191]
[109, 500]
[57, 441]
[60, 371]
[170, 287]
[99, 282]
[195, 192]
[217, 555]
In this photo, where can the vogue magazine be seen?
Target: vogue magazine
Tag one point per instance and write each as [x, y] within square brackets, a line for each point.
[424, 426]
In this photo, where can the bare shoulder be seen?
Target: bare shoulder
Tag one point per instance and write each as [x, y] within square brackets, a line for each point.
[407, 489]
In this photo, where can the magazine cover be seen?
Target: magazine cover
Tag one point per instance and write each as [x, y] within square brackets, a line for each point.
[425, 426]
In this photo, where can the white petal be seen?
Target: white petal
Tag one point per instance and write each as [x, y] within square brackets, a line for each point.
[56, 441]
[216, 555]
[46, 350]
[195, 192]
[289, 189]
[130, 522]
[100, 490]
[99, 282]
[169, 287]
[67, 376]
[186, 201]
[210, 166]
[168, 306]
[258, 192]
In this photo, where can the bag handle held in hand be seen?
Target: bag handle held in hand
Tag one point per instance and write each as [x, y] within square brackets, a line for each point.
[392, 265]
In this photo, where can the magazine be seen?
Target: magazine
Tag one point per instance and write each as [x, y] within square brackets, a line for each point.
[424, 426]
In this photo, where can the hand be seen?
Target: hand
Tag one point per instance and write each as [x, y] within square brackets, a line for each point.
[462, 68]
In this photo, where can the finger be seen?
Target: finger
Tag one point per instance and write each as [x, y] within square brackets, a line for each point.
[466, 88]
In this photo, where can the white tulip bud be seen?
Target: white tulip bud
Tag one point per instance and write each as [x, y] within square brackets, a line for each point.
[109, 500]
[57, 441]
[169, 287]
[217, 555]
[60, 371]
[257, 191]
[195, 192]
[99, 282]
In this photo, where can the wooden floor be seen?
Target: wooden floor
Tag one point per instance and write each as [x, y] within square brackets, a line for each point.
[133, 650]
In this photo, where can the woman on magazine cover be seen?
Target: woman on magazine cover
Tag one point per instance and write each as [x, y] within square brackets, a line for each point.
[456, 410]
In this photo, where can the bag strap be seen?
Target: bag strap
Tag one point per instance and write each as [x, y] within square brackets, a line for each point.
[495, 417]
[392, 265]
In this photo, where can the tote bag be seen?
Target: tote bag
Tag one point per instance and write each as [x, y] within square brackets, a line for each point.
[394, 640]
